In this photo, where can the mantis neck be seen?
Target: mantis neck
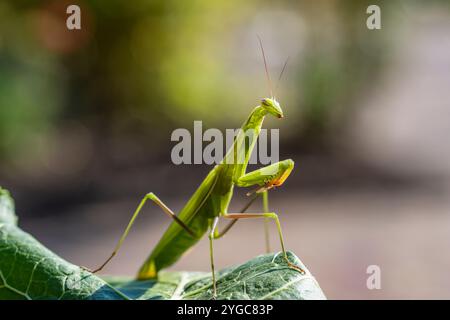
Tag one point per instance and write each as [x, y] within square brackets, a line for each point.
[239, 153]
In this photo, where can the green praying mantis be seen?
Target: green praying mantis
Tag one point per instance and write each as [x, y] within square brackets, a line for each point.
[210, 202]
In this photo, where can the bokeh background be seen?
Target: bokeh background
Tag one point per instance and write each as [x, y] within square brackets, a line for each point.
[86, 118]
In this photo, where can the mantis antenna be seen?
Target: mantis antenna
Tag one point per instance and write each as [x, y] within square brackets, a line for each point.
[265, 67]
[281, 73]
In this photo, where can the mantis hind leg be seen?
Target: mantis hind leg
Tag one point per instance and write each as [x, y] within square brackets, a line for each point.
[273, 216]
[150, 196]
[211, 254]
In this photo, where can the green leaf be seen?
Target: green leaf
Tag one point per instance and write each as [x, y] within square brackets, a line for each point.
[7, 214]
[28, 270]
[265, 277]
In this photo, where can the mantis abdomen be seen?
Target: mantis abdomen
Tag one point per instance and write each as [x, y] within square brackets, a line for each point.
[169, 250]
[176, 241]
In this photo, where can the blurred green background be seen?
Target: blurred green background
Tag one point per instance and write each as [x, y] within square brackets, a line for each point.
[86, 117]
[135, 72]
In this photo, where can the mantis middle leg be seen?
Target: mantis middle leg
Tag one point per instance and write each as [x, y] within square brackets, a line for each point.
[269, 215]
[221, 233]
[215, 234]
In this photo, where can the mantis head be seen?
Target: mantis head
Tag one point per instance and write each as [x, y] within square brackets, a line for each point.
[272, 106]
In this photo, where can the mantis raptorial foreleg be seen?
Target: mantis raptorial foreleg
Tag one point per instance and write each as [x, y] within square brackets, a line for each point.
[267, 215]
[265, 178]
[150, 196]
[258, 177]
